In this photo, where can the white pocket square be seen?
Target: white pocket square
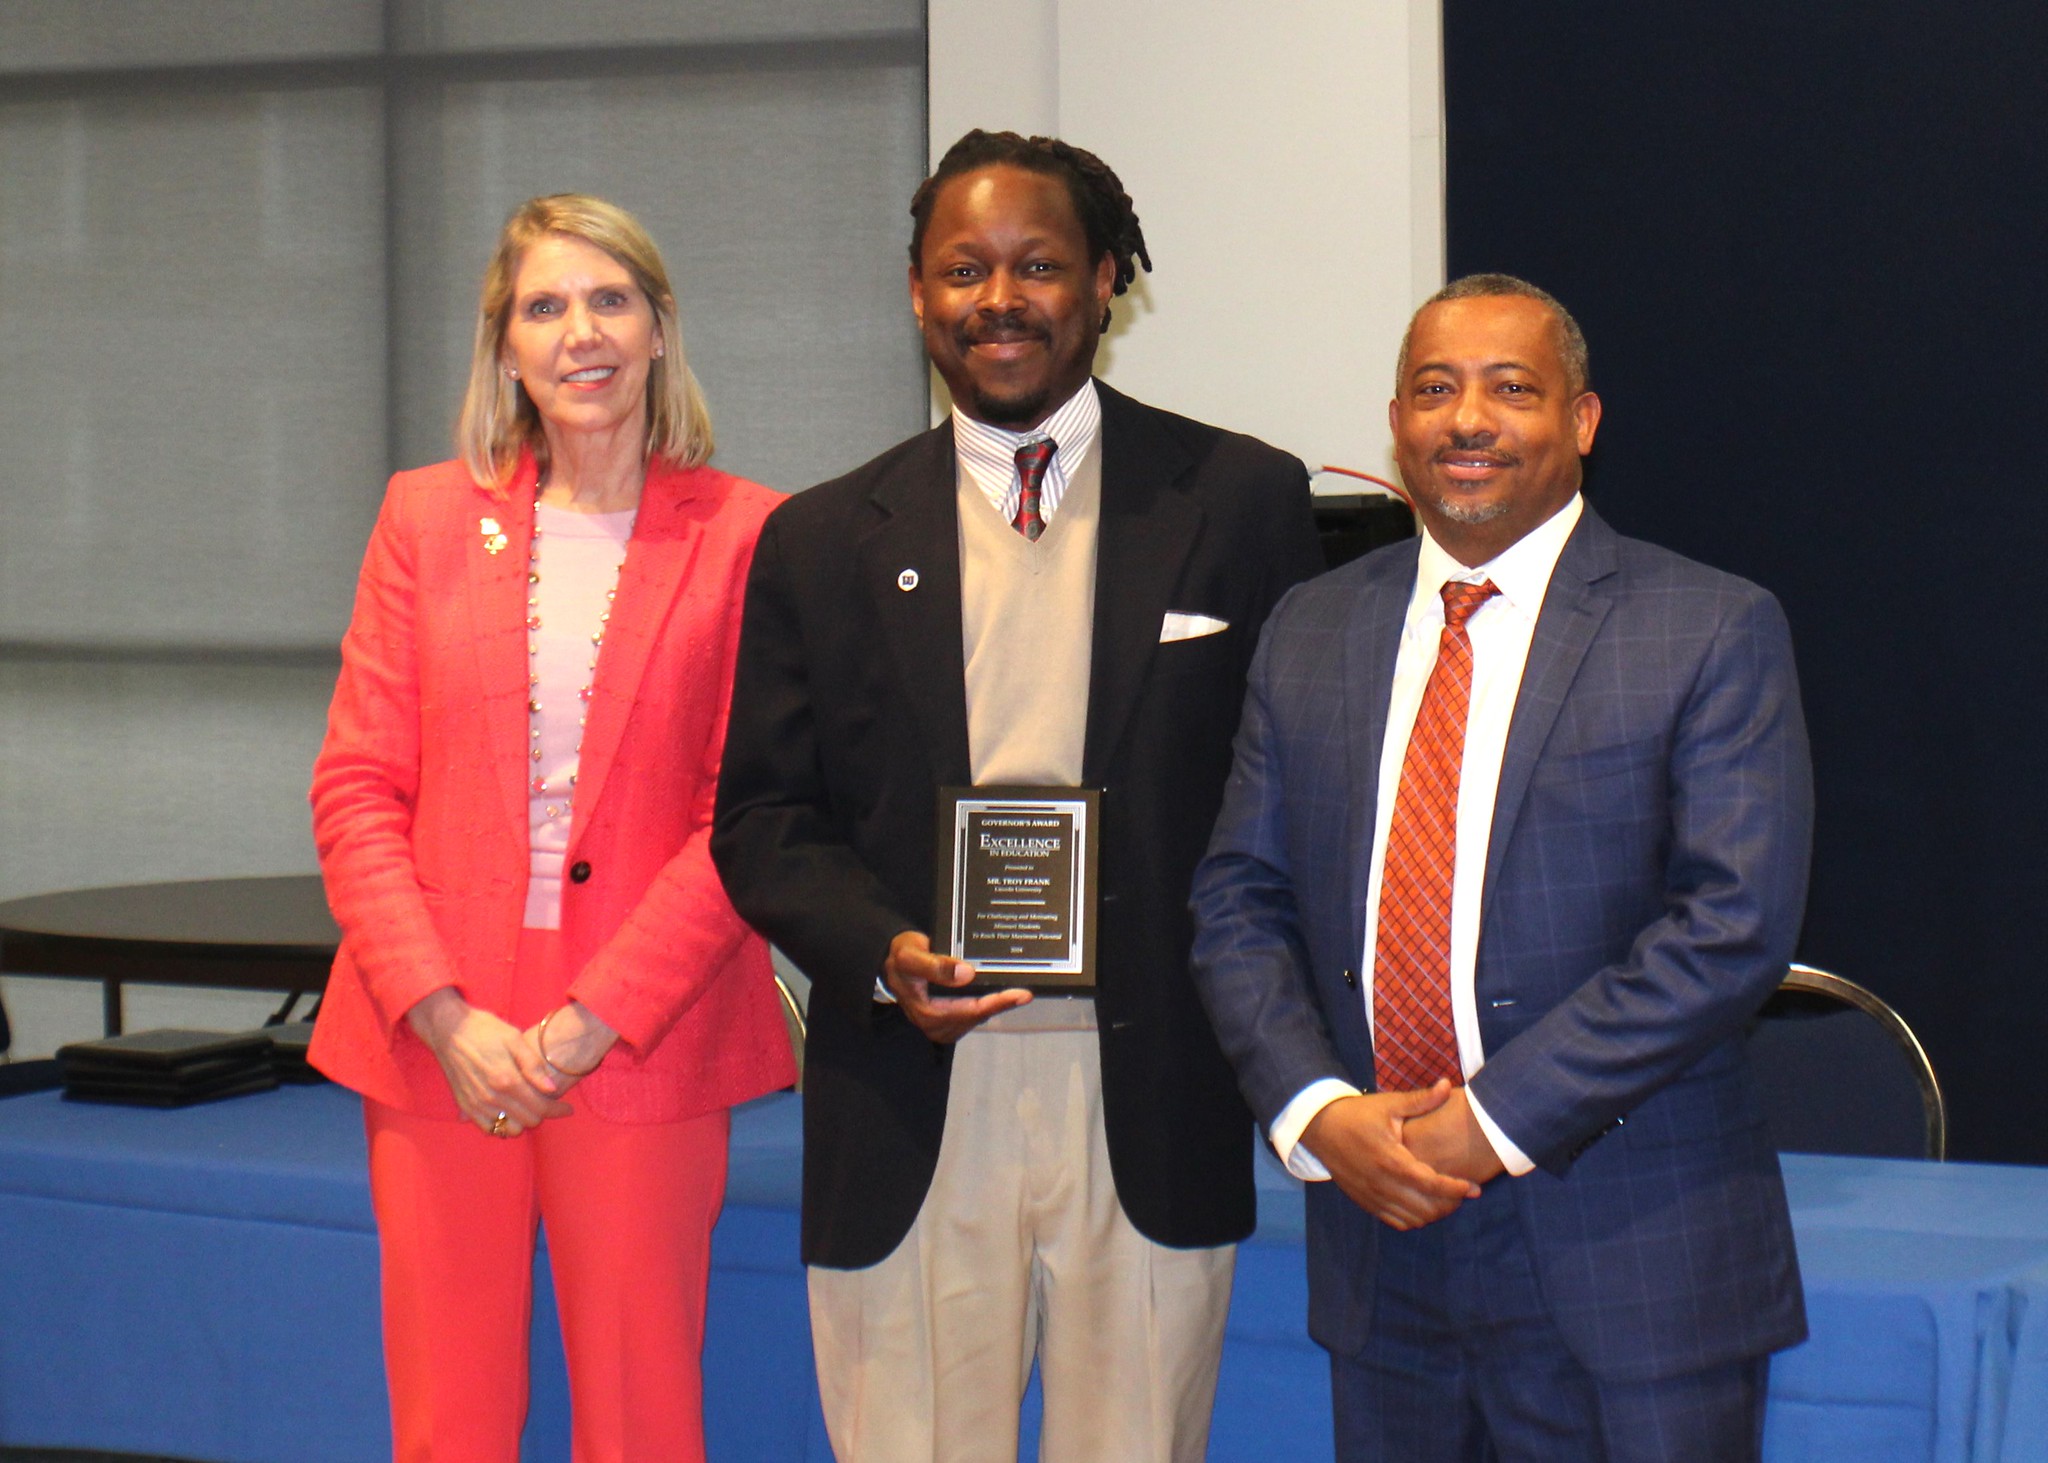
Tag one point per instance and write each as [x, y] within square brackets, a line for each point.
[1189, 627]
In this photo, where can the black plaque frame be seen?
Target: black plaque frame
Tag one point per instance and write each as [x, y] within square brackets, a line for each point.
[969, 923]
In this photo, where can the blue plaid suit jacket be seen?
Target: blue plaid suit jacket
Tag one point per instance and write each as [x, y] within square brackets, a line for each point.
[1644, 886]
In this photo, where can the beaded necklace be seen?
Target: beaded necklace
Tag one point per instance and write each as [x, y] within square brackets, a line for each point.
[539, 785]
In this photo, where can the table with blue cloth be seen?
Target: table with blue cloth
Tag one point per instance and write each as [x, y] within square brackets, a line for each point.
[203, 1284]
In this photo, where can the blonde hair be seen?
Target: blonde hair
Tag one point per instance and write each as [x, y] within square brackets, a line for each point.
[499, 419]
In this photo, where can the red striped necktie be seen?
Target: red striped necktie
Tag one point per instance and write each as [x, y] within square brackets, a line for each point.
[1414, 1039]
[1032, 460]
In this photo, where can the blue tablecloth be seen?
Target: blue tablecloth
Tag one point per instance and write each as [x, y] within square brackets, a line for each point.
[1927, 1296]
[203, 1283]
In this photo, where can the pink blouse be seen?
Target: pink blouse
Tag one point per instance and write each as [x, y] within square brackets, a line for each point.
[578, 558]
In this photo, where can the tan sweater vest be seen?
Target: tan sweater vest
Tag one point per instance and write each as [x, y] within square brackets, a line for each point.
[1028, 616]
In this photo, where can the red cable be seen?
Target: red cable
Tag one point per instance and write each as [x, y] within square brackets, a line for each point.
[1351, 472]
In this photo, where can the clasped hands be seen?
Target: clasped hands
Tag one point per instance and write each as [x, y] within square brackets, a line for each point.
[502, 1078]
[1407, 1158]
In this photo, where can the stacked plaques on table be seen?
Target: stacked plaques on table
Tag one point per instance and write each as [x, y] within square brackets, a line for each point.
[288, 1043]
[168, 1068]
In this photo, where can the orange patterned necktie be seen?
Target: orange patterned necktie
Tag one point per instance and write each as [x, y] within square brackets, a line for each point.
[1032, 460]
[1414, 1039]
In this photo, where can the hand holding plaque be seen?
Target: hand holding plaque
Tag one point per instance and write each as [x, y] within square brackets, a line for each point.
[932, 990]
[1017, 885]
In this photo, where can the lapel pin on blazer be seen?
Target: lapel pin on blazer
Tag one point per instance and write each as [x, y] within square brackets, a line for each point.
[907, 580]
[494, 536]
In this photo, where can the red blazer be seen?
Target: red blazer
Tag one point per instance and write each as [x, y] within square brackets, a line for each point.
[420, 800]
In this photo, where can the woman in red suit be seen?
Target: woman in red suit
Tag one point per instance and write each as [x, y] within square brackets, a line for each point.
[542, 992]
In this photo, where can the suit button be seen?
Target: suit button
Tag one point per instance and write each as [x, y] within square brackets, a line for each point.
[579, 872]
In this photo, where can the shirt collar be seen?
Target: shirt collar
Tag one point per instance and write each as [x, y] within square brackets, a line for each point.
[1072, 429]
[1521, 571]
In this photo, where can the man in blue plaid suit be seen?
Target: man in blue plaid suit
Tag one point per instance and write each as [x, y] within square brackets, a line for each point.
[1576, 1245]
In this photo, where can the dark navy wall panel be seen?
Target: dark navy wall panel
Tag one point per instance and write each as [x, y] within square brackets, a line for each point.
[1808, 246]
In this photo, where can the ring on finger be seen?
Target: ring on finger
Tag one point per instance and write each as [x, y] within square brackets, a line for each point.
[498, 1123]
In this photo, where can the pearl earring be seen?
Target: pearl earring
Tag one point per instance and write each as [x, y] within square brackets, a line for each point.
[511, 373]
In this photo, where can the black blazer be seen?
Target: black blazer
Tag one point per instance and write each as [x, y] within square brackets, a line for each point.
[850, 710]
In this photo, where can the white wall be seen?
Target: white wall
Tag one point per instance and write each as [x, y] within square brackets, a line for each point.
[1287, 164]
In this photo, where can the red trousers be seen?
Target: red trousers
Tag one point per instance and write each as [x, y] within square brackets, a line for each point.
[629, 1209]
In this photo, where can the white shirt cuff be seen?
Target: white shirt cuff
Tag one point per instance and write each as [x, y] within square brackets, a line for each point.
[1300, 1110]
[1513, 1159]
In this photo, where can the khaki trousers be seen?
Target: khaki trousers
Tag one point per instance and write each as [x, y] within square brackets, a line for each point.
[1022, 1249]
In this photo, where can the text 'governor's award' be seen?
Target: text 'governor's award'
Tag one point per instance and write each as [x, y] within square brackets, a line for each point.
[1016, 894]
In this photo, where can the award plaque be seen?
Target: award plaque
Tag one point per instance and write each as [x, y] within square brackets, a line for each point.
[1016, 896]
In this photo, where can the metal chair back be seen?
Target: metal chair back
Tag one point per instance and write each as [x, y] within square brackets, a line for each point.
[793, 1018]
[1842, 1072]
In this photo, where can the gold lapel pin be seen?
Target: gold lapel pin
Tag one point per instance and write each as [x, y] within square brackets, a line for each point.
[494, 536]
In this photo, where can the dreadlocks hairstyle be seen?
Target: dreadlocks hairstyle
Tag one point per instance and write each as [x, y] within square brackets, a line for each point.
[1107, 218]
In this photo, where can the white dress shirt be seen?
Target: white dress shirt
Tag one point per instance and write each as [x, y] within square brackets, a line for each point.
[988, 455]
[1501, 631]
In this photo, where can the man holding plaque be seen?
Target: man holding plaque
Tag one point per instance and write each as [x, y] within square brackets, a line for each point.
[985, 696]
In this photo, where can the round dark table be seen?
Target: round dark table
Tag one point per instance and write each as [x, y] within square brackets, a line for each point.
[264, 934]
